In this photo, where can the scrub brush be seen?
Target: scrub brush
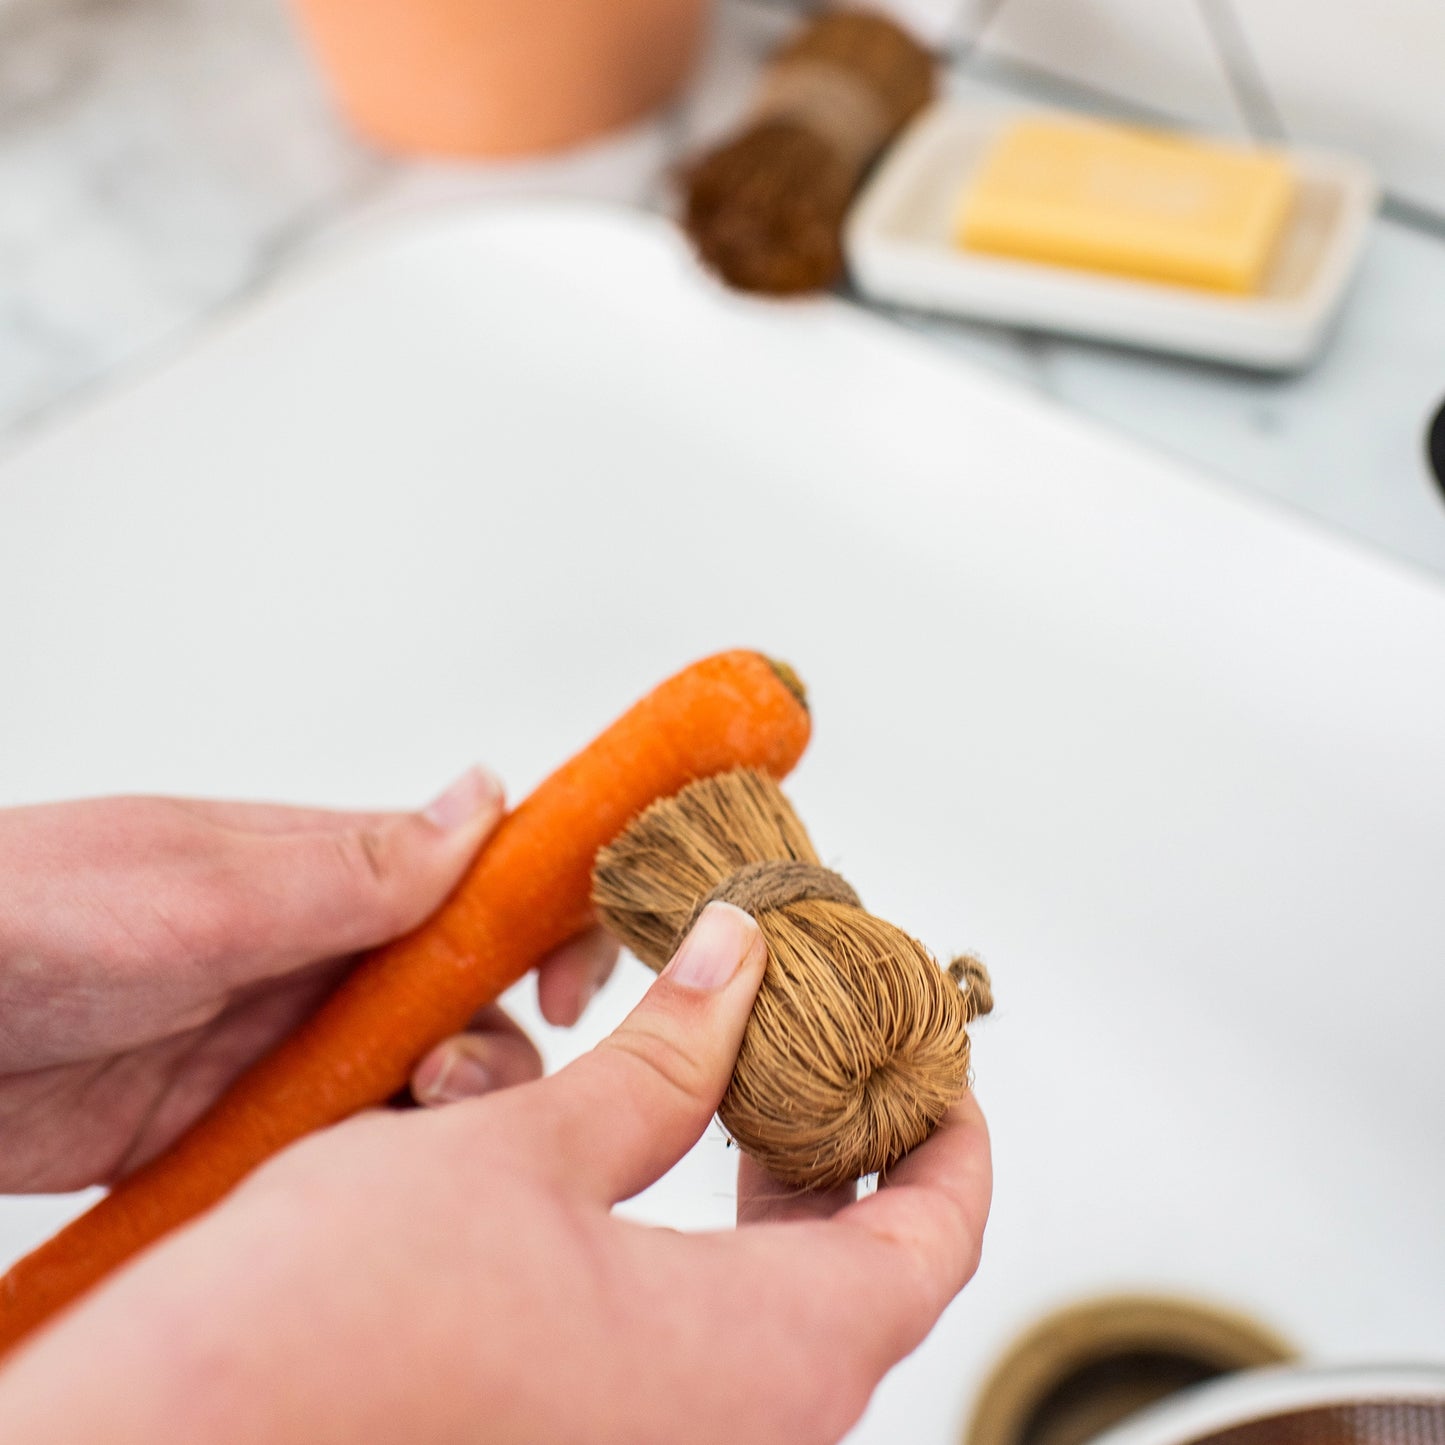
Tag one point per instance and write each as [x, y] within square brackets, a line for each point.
[765, 210]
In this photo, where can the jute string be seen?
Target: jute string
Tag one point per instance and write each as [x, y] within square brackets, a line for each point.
[760, 887]
[858, 1041]
[833, 102]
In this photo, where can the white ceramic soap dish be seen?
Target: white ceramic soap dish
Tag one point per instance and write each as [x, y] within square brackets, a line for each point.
[900, 249]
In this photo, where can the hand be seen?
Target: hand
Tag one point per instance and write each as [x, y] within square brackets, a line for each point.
[150, 949]
[456, 1275]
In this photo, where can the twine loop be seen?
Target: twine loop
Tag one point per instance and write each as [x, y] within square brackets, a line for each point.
[972, 977]
[834, 103]
[774, 883]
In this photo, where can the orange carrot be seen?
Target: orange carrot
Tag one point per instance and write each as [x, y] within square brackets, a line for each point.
[526, 893]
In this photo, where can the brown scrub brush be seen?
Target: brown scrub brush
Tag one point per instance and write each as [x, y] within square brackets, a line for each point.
[766, 208]
[858, 1042]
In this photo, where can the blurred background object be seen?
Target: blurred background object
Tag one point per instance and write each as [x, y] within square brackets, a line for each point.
[1120, 233]
[765, 209]
[1090, 1365]
[1300, 1405]
[1364, 79]
[1435, 445]
[161, 159]
[500, 77]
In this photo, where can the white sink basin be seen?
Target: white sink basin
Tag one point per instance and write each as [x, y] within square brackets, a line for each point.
[1170, 760]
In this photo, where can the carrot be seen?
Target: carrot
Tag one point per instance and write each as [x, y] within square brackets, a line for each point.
[526, 893]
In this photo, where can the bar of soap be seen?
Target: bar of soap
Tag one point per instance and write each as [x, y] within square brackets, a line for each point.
[1129, 201]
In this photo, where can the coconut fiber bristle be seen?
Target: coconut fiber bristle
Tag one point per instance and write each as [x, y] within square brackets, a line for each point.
[858, 1042]
[766, 209]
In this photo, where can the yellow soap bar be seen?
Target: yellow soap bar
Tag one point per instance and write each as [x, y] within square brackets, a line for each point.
[1134, 202]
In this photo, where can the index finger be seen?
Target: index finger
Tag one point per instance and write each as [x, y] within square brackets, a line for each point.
[934, 1205]
[911, 1247]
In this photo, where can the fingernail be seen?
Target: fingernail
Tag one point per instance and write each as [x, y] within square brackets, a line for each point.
[461, 1076]
[721, 939]
[474, 793]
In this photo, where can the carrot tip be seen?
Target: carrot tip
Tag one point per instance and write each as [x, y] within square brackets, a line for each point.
[791, 681]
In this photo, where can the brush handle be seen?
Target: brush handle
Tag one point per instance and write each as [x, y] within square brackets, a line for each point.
[766, 209]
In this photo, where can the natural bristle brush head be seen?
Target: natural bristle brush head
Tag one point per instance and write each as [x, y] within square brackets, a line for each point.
[858, 1042]
[765, 210]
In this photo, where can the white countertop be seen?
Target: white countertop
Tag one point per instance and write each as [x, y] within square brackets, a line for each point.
[1167, 759]
[162, 159]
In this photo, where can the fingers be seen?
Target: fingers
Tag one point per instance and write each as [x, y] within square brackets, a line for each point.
[879, 1273]
[494, 1055]
[288, 898]
[764, 1200]
[568, 979]
[277, 817]
[619, 1117]
[495, 1052]
[928, 1219]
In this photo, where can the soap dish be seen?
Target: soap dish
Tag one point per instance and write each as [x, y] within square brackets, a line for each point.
[900, 249]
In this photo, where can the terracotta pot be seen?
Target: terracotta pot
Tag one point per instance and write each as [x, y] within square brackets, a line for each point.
[500, 77]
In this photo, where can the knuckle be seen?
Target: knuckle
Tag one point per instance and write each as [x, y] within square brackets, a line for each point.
[369, 863]
[921, 1282]
[364, 854]
[916, 1291]
[936, 1240]
[660, 1060]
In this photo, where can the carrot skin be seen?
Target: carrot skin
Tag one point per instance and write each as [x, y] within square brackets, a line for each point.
[526, 893]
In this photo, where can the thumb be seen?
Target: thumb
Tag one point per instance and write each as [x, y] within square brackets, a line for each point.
[298, 897]
[621, 1116]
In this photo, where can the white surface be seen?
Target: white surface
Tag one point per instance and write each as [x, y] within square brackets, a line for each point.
[1255, 1395]
[1365, 78]
[1158, 56]
[1168, 758]
[901, 250]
